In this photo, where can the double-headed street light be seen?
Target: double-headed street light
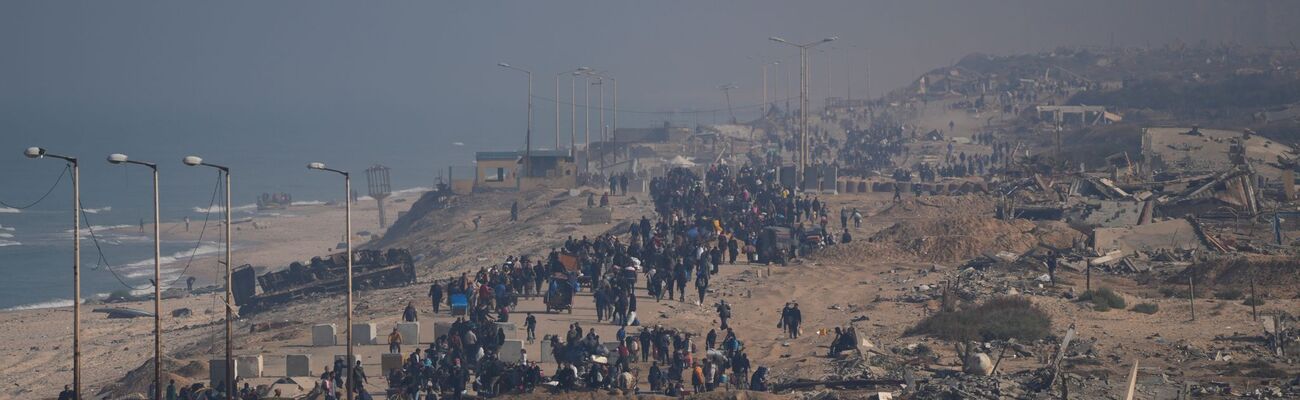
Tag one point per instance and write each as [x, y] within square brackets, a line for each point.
[803, 98]
[195, 161]
[557, 107]
[37, 152]
[528, 138]
[119, 158]
[347, 234]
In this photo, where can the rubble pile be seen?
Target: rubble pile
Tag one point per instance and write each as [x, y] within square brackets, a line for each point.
[960, 238]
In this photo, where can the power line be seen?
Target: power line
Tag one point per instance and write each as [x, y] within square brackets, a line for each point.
[622, 110]
[102, 259]
[206, 215]
[47, 192]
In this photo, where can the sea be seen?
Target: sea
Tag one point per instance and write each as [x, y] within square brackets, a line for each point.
[36, 242]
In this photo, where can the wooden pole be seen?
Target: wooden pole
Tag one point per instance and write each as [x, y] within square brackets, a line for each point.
[1132, 381]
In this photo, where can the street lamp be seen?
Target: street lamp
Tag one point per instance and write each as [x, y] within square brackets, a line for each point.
[347, 234]
[557, 105]
[803, 99]
[195, 161]
[119, 159]
[528, 138]
[37, 152]
[764, 68]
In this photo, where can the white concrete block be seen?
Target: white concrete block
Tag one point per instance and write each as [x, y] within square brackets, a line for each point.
[509, 329]
[297, 365]
[249, 366]
[441, 328]
[323, 335]
[389, 362]
[547, 356]
[510, 351]
[410, 332]
[363, 334]
[217, 371]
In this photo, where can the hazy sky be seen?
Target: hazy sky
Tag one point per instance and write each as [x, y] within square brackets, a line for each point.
[402, 80]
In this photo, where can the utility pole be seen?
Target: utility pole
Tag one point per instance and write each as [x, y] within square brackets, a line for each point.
[726, 90]
[528, 137]
[803, 101]
[75, 166]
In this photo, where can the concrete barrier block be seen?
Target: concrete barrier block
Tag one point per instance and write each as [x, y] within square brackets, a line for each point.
[509, 329]
[510, 351]
[217, 371]
[249, 366]
[612, 347]
[410, 332]
[547, 356]
[364, 334]
[323, 335]
[441, 328]
[297, 365]
[389, 362]
[842, 186]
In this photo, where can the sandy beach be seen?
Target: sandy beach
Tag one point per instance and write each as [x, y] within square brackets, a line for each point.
[36, 354]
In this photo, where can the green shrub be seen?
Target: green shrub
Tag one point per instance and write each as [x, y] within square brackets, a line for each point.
[1253, 301]
[1146, 308]
[998, 318]
[1228, 294]
[1103, 299]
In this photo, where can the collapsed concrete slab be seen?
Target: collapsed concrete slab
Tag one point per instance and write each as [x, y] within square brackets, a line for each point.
[1172, 235]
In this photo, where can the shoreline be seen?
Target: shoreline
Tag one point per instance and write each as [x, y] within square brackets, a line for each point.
[269, 240]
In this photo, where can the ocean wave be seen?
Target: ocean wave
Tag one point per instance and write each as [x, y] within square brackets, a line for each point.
[44, 304]
[219, 209]
[7, 210]
[144, 268]
[6, 228]
[307, 203]
[6, 236]
[417, 189]
[97, 210]
[98, 229]
[7, 243]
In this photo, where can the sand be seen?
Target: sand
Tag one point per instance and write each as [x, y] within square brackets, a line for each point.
[856, 282]
[35, 353]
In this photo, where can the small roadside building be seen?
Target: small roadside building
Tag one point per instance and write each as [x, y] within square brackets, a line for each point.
[504, 170]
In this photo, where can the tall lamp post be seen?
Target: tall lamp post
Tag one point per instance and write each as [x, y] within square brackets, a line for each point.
[37, 152]
[803, 99]
[528, 138]
[557, 104]
[610, 135]
[347, 234]
[195, 161]
[764, 68]
[119, 158]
